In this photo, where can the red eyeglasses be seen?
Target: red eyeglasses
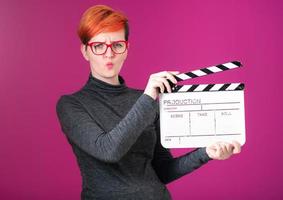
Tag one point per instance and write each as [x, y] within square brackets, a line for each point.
[100, 48]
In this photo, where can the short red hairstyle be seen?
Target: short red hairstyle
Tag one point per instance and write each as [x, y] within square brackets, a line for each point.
[101, 18]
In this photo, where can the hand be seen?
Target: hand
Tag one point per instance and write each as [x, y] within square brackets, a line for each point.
[158, 82]
[223, 150]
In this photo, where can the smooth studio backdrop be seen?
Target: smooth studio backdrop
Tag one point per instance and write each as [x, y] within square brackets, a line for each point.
[40, 60]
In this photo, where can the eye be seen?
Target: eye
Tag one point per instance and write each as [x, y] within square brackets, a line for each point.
[98, 46]
[118, 45]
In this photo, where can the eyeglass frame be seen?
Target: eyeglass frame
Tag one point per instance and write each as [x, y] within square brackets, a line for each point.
[108, 46]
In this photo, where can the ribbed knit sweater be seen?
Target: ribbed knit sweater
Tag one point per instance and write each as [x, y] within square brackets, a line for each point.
[114, 133]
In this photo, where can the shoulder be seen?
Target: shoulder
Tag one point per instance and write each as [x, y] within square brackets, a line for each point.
[67, 102]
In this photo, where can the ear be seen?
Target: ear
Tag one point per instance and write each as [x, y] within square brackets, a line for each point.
[84, 52]
[127, 51]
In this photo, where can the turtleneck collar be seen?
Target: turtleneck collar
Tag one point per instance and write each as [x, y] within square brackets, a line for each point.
[101, 86]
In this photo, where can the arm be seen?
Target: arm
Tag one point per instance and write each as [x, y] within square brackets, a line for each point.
[168, 168]
[82, 130]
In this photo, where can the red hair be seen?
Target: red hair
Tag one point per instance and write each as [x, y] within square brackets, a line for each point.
[99, 19]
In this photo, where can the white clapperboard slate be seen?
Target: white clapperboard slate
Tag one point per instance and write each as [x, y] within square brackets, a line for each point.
[199, 115]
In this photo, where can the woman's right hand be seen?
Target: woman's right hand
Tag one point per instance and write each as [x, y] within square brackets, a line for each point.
[159, 82]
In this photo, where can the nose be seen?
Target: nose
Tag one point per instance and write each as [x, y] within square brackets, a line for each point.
[109, 53]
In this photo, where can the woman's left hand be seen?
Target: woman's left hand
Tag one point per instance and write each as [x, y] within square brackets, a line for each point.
[223, 150]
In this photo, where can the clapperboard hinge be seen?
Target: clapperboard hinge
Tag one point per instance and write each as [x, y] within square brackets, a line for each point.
[204, 72]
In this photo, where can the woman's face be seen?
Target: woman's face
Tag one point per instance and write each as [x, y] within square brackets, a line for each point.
[107, 66]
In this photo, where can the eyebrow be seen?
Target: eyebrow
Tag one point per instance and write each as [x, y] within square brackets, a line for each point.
[110, 41]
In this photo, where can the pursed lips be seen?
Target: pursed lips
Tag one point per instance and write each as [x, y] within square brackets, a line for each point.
[109, 65]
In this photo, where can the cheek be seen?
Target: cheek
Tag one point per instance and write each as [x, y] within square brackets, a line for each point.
[95, 62]
[122, 58]
[121, 62]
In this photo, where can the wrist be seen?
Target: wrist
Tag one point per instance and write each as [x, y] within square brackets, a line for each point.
[151, 94]
[208, 153]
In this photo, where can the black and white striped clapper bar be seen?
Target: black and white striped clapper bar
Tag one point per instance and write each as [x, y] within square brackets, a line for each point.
[201, 114]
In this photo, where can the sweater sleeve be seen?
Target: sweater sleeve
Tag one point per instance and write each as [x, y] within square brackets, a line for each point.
[109, 147]
[168, 168]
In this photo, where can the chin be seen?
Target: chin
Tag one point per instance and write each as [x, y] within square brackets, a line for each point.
[110, 75]
[107, 74]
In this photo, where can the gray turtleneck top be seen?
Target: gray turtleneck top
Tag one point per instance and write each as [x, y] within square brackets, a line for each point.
[114, 133]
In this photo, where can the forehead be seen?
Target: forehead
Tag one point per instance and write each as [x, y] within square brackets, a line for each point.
[109, 36]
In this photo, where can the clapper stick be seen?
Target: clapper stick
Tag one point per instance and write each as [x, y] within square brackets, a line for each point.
[203, 72]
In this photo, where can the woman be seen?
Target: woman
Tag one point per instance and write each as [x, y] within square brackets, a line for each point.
[113, 129]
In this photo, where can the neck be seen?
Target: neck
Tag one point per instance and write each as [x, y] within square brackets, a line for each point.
[110, 80]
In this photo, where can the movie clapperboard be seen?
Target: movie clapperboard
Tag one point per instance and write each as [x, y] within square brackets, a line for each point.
[199, 115]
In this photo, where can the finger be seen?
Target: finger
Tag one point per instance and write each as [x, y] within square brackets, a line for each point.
[226, 150]
[167, 85]
[218, 151]
[157, 85]
[222, 152]
[160, 86]
[237, 147]
[230, 148]
[174, 72]
[171, 77]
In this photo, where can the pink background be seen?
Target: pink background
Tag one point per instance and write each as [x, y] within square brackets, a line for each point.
[40, 60]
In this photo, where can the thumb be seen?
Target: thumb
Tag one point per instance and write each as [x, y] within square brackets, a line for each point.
[212, 149]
